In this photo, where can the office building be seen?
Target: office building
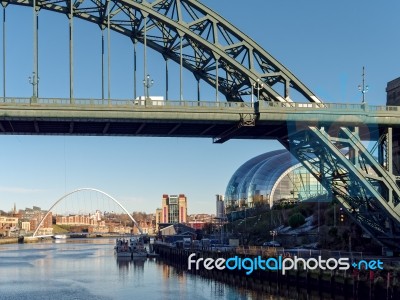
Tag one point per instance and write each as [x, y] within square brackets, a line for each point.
[173, 210]
[220, 212]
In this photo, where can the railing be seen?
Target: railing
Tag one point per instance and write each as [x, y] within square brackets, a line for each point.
[131, 104]
[119, 103]
[360, 107]
[301, 253]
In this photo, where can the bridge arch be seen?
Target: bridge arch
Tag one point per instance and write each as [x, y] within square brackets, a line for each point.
[193, 36]
[86, 189]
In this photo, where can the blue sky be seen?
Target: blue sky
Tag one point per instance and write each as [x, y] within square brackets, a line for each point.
[324, 43]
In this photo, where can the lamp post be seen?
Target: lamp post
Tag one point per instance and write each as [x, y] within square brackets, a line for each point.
[34, 80]
[147, 82]
[258, 86]
[273, 233]
[363, 88]
[245, 216]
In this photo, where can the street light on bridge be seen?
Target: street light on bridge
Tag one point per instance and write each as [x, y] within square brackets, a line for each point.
[258, 86]
[147, 84]
[34, 80]
[364, 88]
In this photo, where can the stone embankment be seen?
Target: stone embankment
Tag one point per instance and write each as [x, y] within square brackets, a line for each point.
[4, 241]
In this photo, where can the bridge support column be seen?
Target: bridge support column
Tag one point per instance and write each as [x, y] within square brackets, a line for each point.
[363, 185]
[71, 53]
[4, 52]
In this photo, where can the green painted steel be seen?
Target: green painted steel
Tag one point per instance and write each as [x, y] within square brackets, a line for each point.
[213, 50]
[363, 185]
[194, 36]
[98, 109]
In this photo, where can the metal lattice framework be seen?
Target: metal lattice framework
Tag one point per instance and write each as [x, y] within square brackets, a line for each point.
[213, 50]
[365, 187]
[86, 189]
[194, 36]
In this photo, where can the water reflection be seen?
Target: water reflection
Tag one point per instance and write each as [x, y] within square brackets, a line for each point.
[60, 241]
[88, 269]
[125, 263]
[138, 263]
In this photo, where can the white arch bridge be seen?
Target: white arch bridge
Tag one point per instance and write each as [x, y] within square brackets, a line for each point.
[86, 189]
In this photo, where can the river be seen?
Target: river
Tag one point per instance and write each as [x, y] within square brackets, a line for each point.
[87, 269]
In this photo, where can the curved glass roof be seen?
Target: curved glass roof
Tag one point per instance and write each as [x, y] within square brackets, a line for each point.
[256, 180]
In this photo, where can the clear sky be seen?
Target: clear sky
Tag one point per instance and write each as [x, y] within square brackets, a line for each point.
[324, 43]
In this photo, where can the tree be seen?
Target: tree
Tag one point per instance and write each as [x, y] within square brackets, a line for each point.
[296, 220]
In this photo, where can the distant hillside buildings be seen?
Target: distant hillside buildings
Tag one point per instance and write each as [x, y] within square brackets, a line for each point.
[8, 225]
[25, 221]
[173, 211]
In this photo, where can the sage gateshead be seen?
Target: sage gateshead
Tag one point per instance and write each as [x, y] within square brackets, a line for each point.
[270, 178]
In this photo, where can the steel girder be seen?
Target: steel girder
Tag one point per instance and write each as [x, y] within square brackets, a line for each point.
[188, 32]
[363, 186]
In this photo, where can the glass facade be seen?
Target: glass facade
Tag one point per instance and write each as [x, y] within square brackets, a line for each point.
[267, 178]
[174, 209]
[173, 216]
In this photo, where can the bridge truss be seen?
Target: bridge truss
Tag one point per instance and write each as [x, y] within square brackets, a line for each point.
[213, 50]
[192, 35]
[366, 187]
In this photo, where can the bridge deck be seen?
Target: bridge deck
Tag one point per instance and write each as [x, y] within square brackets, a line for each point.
[181, 118]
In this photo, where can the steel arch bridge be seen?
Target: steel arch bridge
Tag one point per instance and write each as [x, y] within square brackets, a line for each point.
[189, 33]
[213, 50]
[80, 190]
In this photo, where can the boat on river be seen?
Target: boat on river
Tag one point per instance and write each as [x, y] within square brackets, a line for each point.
[137, 247]
[134, 247]
[122, 248]
[59, 236]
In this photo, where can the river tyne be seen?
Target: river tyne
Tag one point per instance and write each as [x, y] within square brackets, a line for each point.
[87, 269]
